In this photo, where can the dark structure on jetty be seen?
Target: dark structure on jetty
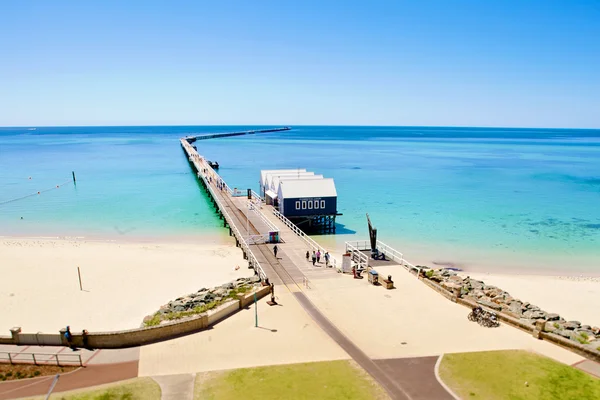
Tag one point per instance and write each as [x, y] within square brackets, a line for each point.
[306, 199]
[309, 201]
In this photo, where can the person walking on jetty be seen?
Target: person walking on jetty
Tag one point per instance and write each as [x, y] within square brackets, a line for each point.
[326, 256]
[275, 251]
[314, 258]
[307, 255]
[318, 255]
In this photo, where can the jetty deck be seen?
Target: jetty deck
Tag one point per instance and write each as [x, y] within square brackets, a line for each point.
[251, 222]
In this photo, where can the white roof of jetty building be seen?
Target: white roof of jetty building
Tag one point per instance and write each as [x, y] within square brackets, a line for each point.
[301, 188]
[302, 175]
[277, 175]
[265, 172]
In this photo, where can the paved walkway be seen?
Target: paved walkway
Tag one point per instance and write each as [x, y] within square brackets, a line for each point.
[589, 366]
[176, 387]
[101, 366]
[417, 377]
[92, 375]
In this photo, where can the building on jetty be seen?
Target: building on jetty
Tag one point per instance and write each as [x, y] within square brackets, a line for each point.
[265, 177]
[306, 199]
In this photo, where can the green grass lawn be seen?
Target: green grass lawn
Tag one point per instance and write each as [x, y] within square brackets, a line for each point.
[495, 375]
[134, 389]
[318, 380]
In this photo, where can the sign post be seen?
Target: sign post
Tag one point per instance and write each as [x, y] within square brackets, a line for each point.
[255, 311]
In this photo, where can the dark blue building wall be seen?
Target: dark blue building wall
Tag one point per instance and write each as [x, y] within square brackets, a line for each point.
[289, 206]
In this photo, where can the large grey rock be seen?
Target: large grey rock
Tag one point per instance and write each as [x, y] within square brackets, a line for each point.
[534, 314]
[563, 333]
[475, 284]
[515, 307]
[179, 308]
[228, 285]
[489, 304]
[552, 317]
[571, 325]
[255, 279]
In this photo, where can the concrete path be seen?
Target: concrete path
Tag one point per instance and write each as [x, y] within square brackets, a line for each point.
[416, 376]
[414, 320]
[176, 387]
[92, 375]
[589, 366]
[285, 335]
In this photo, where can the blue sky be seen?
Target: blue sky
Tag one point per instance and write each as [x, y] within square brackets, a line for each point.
[465, 63]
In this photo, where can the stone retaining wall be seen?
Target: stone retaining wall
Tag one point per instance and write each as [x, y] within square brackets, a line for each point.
[584, 351]
[142, 336]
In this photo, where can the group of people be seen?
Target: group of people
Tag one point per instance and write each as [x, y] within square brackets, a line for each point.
[69, 339]
[316, 257]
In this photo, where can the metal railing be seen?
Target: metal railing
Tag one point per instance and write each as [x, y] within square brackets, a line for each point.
[271, 226]
[41, 358]
[389, 252]
[309, 241]
[252, 261]
[355, 251]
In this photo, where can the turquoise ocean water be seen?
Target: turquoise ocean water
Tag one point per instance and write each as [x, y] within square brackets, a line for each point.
[524, 191]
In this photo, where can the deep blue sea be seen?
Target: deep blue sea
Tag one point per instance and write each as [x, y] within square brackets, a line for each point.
[519, 191]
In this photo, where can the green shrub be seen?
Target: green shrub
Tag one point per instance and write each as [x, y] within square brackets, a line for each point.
[584, 335]
[556, 325]
[155, 320]
[36, 373]
[429, 274]
[582, 340]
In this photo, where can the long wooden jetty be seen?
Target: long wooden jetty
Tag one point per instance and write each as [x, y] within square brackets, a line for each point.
[251, 223]
[204, 136]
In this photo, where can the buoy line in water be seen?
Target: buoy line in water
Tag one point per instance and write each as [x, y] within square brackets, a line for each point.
[36, 193]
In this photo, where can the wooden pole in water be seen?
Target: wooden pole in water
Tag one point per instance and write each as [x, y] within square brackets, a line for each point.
[79, 274]
[74, 180]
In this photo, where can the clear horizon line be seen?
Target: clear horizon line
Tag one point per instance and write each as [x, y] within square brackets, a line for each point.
[296, 125]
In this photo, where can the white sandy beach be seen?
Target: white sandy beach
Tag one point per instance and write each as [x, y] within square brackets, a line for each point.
[572, 297]
[122, 281]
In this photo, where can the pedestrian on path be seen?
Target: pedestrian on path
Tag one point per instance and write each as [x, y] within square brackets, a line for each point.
[318, 255]
[84, 338]
[307, 255]
[326, 259]
[314, 258]
[275, 251]
[69, 338]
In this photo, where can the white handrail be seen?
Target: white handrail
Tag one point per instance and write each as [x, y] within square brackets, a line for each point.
[195, 157]
[362, 257]
[311, 243]
[389, 251]
[270, 225]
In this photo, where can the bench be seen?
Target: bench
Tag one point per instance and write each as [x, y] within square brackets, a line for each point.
[387, 284]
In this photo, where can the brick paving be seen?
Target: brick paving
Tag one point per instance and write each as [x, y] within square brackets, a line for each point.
[93, 375]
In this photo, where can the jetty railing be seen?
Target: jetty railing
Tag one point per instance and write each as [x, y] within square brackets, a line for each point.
[199, 162]
[243, 244]
[389, 252]
[309, 241]
[268, 223]
[356, 252]
[41, 358]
